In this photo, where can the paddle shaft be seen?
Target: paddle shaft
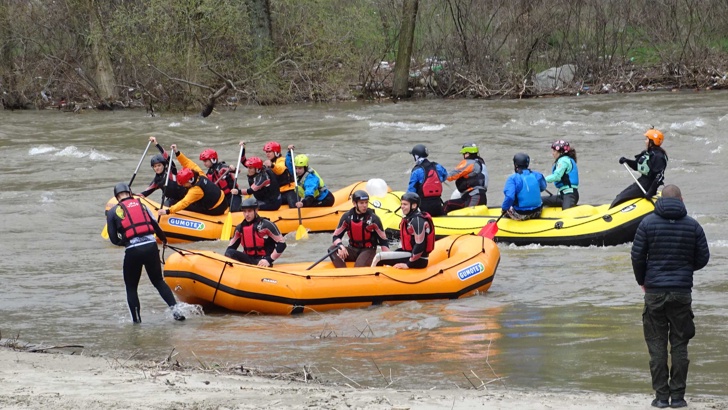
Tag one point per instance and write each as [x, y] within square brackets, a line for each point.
[635, 178]
[140, 163]
[295, 182]
[237, 169]
[166, 183]
[331, 252]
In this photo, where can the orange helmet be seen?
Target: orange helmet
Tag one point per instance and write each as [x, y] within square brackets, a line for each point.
[655, 136]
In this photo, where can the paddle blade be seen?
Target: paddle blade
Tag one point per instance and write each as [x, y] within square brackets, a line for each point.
[227, 228]
[301, 232]
[105, 232]
[489, 230]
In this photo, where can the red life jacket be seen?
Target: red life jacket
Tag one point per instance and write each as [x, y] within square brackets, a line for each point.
[407, 233]
[432, 186]
[136, 221]
[252, 243]
[220, 175]
[359, 235]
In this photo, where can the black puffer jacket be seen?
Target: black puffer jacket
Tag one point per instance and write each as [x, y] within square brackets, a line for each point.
[668, 247]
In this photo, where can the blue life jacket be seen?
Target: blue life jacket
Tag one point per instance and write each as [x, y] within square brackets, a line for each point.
[569, 179]
[529, 196]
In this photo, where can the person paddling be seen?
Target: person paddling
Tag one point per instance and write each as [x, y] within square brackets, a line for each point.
[651, 163]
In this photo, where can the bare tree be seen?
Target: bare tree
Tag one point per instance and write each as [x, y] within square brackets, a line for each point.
[400, 85]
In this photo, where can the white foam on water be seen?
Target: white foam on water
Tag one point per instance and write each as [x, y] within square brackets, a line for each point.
[407, 126]
[47, 198]
[717, 150]
[73, 152]
[688, 125]
[718, 244]
[358, 117]
[43, 149]
[186, 309]
[542, 122]
[174, 124]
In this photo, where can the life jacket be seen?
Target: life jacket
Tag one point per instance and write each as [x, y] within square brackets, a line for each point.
[475, 179]
[431, 187]
[569, 179]
[321, 189]
[252, 243]
[285, 178]
[211, 192]
[529, 197]
[269, 193]
[359, 235]
[220, 174]
[407, 232]
[135, 221]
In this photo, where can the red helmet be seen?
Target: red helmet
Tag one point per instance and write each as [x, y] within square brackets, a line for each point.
[208, 154]
[272, 146]
[254, 162]
[185, 176]
[561, 146]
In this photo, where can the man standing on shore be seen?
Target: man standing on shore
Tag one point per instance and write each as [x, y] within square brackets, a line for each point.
[668, 247]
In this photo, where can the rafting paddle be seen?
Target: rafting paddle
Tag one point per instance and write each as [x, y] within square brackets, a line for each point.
[635, 178]
[301, 232]
[227, 227]
[166, 183]
[491, 228]
[105, 231]
[331, 252]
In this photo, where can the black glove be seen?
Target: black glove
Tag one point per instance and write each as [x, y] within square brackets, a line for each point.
[622, 160]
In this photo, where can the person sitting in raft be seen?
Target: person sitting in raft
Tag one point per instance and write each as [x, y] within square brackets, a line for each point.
[471, 180]
[426, 180]
[522, 191]
[223, 176]
[202, 195]
[564, 175]
[260, 238]
[283, 169]
[417, 232]
[651, 163]
[312, 190]
[172, 192]
[263, 185]
[365, 232]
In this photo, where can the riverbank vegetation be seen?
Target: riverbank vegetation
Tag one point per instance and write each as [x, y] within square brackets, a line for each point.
[196, 55]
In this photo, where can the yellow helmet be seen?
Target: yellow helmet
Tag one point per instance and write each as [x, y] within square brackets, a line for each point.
[301, 160]
[655, 135]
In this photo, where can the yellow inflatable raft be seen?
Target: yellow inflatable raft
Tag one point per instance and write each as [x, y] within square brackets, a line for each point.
[583, 225]
[192, 226]
[459, 266]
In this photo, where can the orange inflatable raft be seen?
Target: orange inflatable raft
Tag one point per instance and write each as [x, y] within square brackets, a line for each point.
[459, 266]
[188, 226]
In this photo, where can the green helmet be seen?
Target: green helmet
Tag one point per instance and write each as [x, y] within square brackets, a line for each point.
[469, 148]
[301, 160]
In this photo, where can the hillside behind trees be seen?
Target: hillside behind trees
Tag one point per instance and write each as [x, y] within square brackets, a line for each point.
[193, 55]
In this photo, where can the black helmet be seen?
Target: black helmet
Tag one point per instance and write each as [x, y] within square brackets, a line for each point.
[412, 198]
[420, 151]
[249, 203]
[521, 160]
[359, 195]
[121, 187]
[158, 159]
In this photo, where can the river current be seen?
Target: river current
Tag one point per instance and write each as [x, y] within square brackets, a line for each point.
[557, 318]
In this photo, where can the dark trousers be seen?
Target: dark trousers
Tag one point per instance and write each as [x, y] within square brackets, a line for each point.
[360, 257]
[218, 210]
[432, 206]
[668, 317]
[467, 199]
[289, 197]
[148, 257]
[243, 257]
[565, 201]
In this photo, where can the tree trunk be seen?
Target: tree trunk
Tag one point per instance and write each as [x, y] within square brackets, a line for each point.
[260, 24]
[103, 70]
[400, 88]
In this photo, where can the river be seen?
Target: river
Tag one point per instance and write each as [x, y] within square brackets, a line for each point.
[556, 318]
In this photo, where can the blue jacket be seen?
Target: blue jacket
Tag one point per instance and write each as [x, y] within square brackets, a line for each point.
[523, 191]
[417, 177]
[668, 247]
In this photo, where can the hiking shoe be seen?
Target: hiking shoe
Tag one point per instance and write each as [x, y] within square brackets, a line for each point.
[677, 403]
[660, 404]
